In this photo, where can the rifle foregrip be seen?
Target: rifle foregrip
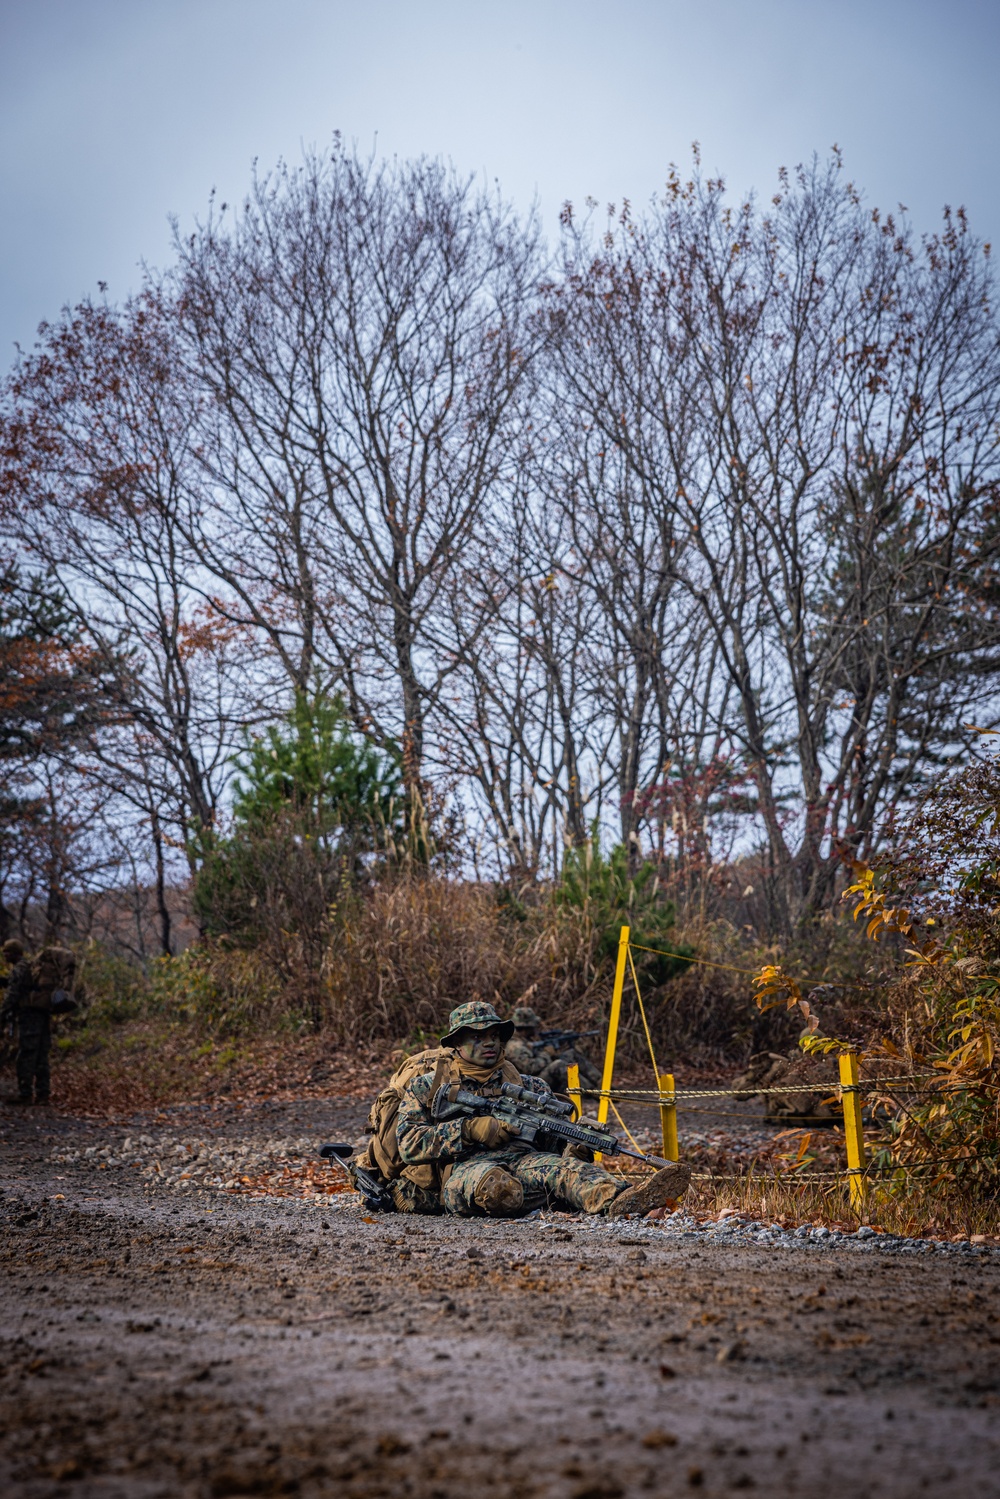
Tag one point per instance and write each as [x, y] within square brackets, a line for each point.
[526, 1119]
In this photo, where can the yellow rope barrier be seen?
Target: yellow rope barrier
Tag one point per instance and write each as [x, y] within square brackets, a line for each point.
[730, 968]
[634, 1095]
[642, 1012]
[848, 1091]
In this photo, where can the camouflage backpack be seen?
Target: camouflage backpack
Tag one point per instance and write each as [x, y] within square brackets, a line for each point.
[381, 1154]
[51, 969]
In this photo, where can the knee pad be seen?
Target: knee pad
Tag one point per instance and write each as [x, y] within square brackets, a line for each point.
[498, 1193]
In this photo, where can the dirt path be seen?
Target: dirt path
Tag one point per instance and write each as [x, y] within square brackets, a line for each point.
[159, 1342]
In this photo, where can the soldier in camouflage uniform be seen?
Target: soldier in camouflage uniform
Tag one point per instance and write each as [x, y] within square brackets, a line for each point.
[13, 956]
[36, 990]
[545, 1061]
[17, 986]
[483, 1168]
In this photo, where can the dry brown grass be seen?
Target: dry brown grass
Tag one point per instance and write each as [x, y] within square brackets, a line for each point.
[403, 957]
[920, 1210]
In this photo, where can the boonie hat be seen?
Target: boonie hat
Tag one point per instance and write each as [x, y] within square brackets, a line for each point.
[525, 1019]
[477, 1015]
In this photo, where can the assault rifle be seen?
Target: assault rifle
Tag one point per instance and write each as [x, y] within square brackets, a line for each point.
[372, 1188]
[559, 1040]
[527, 1114]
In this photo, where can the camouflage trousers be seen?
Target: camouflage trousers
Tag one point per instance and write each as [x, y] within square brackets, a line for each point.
[507, 1183]
[407, 1197]
[34, 1032]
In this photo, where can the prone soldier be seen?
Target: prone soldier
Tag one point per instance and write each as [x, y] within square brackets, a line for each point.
[537, 1056]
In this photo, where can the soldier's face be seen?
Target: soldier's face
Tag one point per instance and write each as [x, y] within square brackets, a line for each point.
[484, 1048]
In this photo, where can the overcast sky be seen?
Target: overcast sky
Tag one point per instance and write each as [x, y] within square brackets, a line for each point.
[115, 114]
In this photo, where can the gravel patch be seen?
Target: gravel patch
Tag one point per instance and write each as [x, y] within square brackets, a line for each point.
[185, 1163]
[284, 1165]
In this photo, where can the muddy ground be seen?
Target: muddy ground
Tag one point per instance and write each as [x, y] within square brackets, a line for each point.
[170, 1343]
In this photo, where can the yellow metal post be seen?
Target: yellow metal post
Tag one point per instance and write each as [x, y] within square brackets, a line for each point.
[573, 1089]
[668, 1119]
[616, 1012]
[851, 1092]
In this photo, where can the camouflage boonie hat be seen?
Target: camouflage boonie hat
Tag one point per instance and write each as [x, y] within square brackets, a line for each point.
[13, 950]
[526, 1020]
[477, 1015]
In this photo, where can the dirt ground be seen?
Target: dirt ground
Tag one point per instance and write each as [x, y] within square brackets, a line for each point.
[172, 1343]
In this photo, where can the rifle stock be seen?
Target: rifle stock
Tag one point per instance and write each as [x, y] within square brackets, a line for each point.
[372, 1189]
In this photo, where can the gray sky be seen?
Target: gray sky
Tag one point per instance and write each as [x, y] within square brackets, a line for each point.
[116, 113]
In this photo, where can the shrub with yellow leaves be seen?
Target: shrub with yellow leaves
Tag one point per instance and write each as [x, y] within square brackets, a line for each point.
[934, 900]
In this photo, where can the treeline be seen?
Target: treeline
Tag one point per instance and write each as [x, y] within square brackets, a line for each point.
[686, 532]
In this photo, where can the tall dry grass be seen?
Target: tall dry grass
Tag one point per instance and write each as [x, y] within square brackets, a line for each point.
[406, 954]
[398, 957]
[918, 1208]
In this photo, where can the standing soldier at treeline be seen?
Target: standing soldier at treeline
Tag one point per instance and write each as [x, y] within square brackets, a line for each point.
[37, 989]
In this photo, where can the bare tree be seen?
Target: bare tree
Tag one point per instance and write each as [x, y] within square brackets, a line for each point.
[96, 430]
[814, 399]
[522, 721]
[364, 334]
[702, 527]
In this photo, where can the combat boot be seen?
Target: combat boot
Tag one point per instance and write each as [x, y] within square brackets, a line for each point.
[665, 1189]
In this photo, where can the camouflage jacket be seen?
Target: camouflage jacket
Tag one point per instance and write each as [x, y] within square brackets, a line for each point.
[424, 1140]
[19, 988]
[526, 1059]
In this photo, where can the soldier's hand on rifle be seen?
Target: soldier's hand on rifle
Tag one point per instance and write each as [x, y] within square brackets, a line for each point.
[485, 1131]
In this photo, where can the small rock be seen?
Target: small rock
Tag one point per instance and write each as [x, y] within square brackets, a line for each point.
[392, 1446]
